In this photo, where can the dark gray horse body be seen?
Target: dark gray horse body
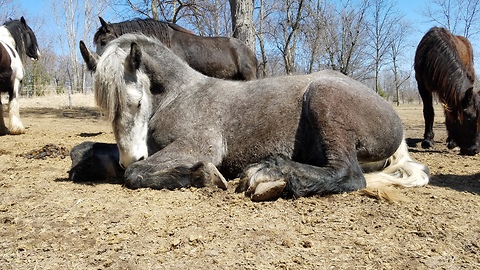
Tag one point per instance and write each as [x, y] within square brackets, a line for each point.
[295, 135]
[219, 57]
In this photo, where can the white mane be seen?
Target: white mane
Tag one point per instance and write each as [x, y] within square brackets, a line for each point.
[109, 76]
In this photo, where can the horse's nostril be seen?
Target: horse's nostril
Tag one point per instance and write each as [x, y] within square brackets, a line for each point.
[123, 166]
[142, 158]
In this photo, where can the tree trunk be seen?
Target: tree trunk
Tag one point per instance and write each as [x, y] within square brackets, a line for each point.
[155, 9]
[242, 21]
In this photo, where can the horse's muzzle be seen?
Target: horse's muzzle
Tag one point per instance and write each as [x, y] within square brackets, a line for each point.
[470, 151]
[36, 56]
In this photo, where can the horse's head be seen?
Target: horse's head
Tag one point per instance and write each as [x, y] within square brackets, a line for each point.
[29, 41]
[103, 36]
[25, 39]
[122, 90]
[464, 129]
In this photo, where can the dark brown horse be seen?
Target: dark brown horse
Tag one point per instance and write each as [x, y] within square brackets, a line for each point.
[219, 57]
[444, 65]
[17, 42]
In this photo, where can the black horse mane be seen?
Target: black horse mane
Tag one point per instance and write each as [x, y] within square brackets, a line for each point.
[16, 28]
[158, 29]
[438, 55]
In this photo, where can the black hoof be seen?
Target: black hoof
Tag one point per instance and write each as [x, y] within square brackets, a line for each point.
[426, 144]
[451, 144]
[472, 151]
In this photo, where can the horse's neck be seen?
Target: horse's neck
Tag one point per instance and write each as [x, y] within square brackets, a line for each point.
[183, 82]
[6, 36]
[176, 74]
[178, 80]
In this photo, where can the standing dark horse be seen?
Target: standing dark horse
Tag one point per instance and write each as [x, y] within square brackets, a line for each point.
[301, 135]
[444, 64]
[17, 41]
[219, 57]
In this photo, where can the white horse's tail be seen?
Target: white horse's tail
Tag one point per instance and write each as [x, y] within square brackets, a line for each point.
[400, 170]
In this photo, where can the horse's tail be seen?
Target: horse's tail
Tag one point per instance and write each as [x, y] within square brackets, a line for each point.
[400, 170]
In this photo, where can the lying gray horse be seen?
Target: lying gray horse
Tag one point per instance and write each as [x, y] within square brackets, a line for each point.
[291, 136]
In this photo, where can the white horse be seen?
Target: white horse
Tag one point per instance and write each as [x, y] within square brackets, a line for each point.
[17, 41]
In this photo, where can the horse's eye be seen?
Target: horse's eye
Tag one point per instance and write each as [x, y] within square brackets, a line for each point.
[139, 103]
[103, 43]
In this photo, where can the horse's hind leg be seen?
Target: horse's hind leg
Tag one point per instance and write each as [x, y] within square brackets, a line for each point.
[279, 176]
[428, 115]
[3, 128]
[16, 126]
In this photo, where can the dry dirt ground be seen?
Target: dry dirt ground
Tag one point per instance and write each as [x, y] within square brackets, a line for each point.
[48, 222]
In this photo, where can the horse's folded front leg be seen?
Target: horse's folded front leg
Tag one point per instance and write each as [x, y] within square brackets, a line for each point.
[143, 175]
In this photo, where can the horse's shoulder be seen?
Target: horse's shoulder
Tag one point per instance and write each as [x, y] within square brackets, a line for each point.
[6, 36]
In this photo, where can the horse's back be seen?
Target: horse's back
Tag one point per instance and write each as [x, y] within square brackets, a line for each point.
[442, 56]
[465, 52]
[219, 57]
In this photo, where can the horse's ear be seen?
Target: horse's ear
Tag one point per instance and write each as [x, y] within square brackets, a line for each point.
[133, 60]
[103, 22]
[22, 20]
[107, 27]
[90, 58]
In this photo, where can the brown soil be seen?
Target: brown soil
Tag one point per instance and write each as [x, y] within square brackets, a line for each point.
[48, 222]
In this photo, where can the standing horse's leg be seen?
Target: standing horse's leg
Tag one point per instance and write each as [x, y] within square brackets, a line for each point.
[3, 128]
[428, 115]
[16, 126]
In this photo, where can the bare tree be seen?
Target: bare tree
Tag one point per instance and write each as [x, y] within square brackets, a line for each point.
[211, 18]
[344, 37]
[284, 27]
[206, 17]
[383, 19]
[242, 21]
[312, 33]
[8, 10]
[459, 16]
[73, 18]
[398, 46]
[261, 40]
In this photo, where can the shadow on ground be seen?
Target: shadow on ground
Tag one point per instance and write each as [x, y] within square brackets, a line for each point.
[75, 112]
[464, 183]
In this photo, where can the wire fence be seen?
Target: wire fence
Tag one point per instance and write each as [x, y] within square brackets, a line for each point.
[29, 91]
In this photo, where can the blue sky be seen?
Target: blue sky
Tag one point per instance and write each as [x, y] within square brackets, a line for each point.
[411, 8]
